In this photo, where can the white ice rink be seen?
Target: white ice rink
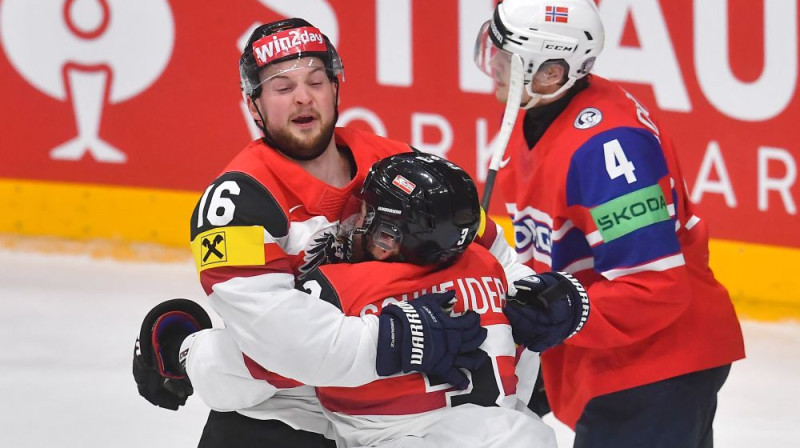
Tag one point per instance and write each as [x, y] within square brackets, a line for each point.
[68, 324]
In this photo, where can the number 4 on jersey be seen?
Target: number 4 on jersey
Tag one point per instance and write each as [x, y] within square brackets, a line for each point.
[616, 162]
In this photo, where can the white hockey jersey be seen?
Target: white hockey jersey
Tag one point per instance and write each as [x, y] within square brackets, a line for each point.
[258, 227]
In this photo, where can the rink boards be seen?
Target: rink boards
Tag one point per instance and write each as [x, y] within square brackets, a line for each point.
[149, 224]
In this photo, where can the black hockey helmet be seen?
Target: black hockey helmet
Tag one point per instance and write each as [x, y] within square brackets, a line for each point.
[423, 204]
[280, 41]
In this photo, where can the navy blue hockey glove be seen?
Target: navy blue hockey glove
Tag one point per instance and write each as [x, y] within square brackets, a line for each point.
[547, 309]
[158, 372]
[421, 336]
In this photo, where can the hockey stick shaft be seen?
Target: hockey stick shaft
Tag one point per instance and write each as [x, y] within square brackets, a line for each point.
[506, 127]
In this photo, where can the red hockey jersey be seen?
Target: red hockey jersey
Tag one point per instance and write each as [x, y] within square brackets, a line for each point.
[480, 285]
[263, 198]
[263, 222]
[601, 195]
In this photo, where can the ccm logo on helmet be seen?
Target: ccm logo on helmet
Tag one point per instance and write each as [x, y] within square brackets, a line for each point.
[558, 47]
[288, 42]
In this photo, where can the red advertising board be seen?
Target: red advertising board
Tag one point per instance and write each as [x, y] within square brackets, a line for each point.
[146, 93]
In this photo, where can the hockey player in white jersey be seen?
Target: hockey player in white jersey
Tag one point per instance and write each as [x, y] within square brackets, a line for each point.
[279, 228]
[269, 218]
[409, 409]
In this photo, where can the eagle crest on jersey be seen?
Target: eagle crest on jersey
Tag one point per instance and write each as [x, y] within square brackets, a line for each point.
[328, 248]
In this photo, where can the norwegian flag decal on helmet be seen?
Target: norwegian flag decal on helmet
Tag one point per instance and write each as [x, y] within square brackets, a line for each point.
[559, 14]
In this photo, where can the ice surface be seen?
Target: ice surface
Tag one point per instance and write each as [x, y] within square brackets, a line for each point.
[68, 324]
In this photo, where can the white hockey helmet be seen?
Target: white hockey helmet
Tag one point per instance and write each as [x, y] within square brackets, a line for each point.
[540, 31]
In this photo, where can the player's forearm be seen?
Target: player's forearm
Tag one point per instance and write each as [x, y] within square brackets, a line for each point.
[218, 373]
[633, 308]
[507, 257]
[296, 335]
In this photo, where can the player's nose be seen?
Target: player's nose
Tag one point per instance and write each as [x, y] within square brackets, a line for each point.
[302, 95]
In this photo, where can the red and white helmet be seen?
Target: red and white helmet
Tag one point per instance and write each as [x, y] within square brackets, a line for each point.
[540, 31]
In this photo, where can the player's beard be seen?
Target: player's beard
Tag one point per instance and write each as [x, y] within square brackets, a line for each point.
[304, 148]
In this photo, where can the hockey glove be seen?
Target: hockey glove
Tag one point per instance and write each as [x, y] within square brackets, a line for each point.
[421, 336]
[158, 372]
[547, 309]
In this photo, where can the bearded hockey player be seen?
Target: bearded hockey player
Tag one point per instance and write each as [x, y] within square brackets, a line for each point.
[269, 219]
[420, 214]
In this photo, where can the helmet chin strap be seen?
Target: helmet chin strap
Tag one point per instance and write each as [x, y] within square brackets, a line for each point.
[536, 97]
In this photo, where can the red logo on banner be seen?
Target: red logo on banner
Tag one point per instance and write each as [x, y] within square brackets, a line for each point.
[558, 14]
[404, 184]
[288, 42]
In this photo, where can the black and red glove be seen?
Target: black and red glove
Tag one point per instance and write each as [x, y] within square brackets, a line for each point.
[157, 369]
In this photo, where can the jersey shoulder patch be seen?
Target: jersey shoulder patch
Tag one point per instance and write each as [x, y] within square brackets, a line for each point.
[621, 178]
[614, 163]
[237, 199]
[230, 220]
[588, 118]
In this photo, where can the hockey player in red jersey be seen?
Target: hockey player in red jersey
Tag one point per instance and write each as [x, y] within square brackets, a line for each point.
[421, 213]
[270, 218]
[594, 188]
[424, 211]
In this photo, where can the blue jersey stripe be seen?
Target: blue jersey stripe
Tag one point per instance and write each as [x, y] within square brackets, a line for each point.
[588, 181]
[573, 246]
[641, 246]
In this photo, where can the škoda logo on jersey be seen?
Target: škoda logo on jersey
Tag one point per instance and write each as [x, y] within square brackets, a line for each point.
[288, 42]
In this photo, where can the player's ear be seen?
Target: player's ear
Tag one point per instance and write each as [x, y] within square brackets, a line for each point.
[335, 89]
[550, 74]
[251, 106]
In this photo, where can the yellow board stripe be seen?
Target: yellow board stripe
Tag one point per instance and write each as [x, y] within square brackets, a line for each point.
[762, 279]
[87, 212]
[229, 246]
